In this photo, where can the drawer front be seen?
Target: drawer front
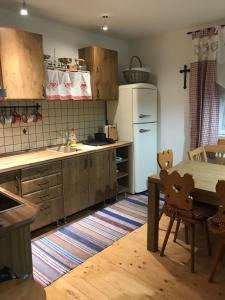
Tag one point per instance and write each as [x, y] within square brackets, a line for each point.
[42, 183]
[50, 211]
[45, 195]
[40, 171]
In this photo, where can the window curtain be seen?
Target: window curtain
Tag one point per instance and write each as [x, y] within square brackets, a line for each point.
[203, 89]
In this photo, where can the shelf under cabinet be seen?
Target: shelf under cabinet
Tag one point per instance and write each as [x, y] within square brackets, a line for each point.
[121, 189]
[121, 175]
[121, 161]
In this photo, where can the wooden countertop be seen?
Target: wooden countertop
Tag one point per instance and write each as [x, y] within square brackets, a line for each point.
[17, 216]
[23, 160]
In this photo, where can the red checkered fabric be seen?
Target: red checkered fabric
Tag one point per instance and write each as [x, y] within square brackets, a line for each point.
[203, 91]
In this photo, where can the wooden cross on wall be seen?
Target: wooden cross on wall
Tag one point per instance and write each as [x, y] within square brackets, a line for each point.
[184, 71]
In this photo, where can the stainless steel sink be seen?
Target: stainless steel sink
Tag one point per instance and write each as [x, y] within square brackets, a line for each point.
[7, 202]
[64, 149]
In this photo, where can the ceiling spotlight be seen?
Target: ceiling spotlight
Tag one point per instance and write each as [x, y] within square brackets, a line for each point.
[104, 26]
[23, 10]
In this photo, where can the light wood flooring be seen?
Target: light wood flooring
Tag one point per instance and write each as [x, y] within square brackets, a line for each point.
[126, 270]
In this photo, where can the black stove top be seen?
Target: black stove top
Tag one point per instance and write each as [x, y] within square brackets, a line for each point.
[99, 143]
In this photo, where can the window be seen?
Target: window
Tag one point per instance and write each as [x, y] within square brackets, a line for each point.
[222, 113]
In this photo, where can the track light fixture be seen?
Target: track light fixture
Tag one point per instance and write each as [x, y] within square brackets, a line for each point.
[105, 26]
[24, 10]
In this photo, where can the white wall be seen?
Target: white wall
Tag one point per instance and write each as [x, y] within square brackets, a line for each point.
[66, 40]
[166, 54]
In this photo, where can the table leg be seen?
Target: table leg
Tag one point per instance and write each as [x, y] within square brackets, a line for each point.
[153, 217]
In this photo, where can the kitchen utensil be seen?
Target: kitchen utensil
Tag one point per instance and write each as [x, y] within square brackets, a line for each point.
[136, 75]
[38, 116]
[32, 118]
[24, 117]
[111, 132]
[65, 60]
[16, 117]
[100, 136]
[81, 65]
[2, 119]
[9, 119]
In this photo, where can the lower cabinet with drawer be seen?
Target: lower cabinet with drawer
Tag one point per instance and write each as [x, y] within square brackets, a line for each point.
[88, 180]
[42, 185]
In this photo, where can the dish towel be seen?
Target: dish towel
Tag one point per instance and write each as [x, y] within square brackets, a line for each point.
[65, 85]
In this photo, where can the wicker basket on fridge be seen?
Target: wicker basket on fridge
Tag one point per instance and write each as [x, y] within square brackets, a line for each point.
[136, 75]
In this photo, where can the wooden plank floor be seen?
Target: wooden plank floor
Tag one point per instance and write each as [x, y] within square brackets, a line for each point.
[126, 270]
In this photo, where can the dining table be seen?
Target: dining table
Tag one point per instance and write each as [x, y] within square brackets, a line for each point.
[205, 175]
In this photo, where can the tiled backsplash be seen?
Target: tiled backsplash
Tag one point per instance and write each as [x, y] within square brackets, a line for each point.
[58, 116]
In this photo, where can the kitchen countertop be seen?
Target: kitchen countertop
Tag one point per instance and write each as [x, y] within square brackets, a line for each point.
[23, 160]
[18, 216]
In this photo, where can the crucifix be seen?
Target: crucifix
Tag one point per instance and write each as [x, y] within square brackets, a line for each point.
[185, 71]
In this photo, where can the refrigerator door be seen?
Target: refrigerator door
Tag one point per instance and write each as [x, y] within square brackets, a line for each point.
[145, 153]
[144, 105]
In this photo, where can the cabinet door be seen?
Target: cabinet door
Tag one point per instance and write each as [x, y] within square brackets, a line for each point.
[98, 177]
[103, 65]
[75, 184]
[112, 174]
[11, 182]
[105, 74]
[22, 64]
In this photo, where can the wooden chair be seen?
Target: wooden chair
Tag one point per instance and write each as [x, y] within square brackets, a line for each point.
[198, 154]
[165, 162]
[216, 153]
[180, 206]
[218, 227]
[221, 142]
[165, 159]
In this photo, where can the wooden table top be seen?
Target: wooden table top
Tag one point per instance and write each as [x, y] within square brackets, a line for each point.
[205, 175]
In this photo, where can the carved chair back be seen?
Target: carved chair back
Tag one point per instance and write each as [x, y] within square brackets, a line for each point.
[165, 159]
[198, 154]
[177, 191]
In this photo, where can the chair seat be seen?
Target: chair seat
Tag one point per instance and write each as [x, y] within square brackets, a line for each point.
[202, 211]
[217, 222]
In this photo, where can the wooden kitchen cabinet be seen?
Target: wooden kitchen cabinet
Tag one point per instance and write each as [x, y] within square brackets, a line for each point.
[112, 191]
[103, 65]
[11, 182]
[98, 177]
[43, 185]
[22, 68]
[75, 184]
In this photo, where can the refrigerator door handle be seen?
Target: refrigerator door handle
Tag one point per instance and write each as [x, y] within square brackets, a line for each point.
[144, 116]
[144, 130]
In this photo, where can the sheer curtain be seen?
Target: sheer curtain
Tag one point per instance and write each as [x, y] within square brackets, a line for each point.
[203, 89]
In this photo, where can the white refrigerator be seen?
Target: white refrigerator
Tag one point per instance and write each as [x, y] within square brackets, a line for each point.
[135, 115]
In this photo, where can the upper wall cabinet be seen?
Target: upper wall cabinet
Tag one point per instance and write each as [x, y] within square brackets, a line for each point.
[22, 68]
[103, 65]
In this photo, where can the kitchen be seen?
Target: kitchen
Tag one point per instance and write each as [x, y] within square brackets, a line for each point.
[59, 179]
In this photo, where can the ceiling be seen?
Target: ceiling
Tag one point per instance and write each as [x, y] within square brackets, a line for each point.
[129, 19]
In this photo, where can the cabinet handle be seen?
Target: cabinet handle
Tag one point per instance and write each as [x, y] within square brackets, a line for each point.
[17, 184]
[144, 116]
[43, 91]
[144, 130]
[98, 93]
[40, 197]
[43, 183]
[85, 163]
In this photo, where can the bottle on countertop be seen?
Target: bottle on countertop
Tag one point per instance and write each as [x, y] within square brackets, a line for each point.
[73, 138]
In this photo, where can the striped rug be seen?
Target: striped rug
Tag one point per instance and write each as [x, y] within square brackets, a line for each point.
[59, 252]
